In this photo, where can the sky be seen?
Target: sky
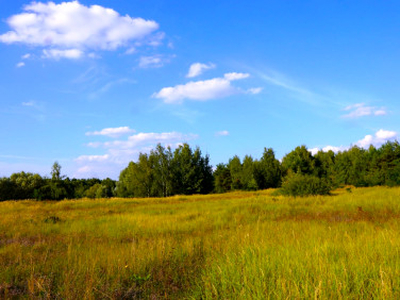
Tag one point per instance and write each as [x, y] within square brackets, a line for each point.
[91, 84]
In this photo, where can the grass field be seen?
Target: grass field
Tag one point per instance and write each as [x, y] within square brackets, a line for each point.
[241, 245]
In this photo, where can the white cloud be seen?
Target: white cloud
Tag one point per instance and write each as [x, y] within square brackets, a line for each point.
[380, 137]
[29, 103]
[61, 28]
[26, 56]
[327, 148]
[154, 61]
[361, 110]
[255, 91]
[197, 69]
[112, 132]
[377, 140]
[235, 76]
[120, 152]
[57, 54]
[201, 90]
[150, 62]
[130, 50]
[151, 138]
[20, 64]
[93, 158]
[222, 133]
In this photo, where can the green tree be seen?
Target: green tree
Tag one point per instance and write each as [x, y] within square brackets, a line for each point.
[223, 179]
[268, 170]
[236, 170]
[299, 160]
[248, 169]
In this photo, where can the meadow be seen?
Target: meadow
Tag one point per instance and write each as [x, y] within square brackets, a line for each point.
[239, 245]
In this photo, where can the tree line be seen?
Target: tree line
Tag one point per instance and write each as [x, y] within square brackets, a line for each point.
[184, 171]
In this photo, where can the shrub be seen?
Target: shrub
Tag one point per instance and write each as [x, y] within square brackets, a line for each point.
[305, 185]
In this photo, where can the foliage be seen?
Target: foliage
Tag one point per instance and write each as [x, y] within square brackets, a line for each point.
[185, 171]
[298, 184]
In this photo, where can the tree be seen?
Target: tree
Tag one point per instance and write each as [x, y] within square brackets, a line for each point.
[56, 172]
[163, 168]
[299, 160]
[248, 169]
[223, 179]
[236, 169]
[191, 172]
[268, 170]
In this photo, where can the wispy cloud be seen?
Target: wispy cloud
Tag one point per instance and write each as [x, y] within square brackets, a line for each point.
[112, 132]
[109, 85]
[222, 133]
[361, 110]
[296, 90]
[155, 61]
[197, 69]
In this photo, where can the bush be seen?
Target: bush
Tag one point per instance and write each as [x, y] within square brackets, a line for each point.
[305, 185]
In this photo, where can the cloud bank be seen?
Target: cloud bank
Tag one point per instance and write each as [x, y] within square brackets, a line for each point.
[376, 140]
[118, 153]
[70, 29]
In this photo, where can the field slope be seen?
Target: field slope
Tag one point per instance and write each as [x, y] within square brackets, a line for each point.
[252, 245]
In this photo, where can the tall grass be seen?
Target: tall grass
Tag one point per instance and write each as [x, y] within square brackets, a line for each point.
[252, 245]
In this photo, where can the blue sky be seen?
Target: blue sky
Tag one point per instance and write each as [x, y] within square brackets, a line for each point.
[90, 84]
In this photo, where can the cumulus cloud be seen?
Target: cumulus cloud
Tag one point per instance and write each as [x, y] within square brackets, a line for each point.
[361, 110]
[70, 29]
[327, 148]
[197, 69]
[112, 132]
[202, 90]
[376, 140]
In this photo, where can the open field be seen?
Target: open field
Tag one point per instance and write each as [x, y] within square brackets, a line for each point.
[237, 245]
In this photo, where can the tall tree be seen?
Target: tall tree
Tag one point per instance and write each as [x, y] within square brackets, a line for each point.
[268, 170]
[299, 160]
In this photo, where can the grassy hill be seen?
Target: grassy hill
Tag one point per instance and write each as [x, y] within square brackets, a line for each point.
[235, 245]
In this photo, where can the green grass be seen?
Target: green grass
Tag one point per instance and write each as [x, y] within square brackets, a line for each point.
[242, 245]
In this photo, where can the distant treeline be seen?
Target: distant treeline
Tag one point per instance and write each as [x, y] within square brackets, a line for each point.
[164, 172]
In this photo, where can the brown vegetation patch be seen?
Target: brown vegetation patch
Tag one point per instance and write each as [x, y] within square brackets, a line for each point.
[359, 215]
[23, 241]
[11, 291]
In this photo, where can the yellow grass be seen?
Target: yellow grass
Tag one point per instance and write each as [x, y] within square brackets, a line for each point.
[243, 245]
